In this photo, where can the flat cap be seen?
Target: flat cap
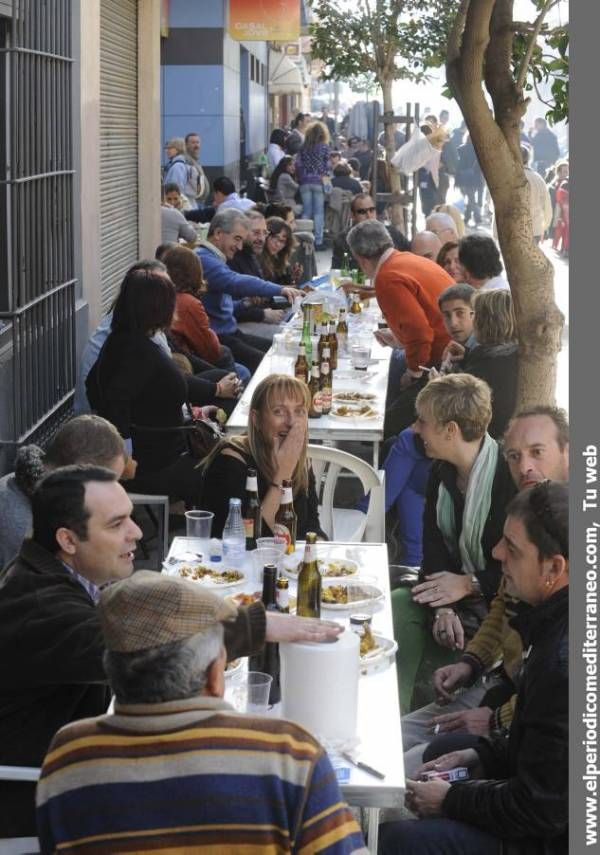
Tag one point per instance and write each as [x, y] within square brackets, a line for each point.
[151, 609]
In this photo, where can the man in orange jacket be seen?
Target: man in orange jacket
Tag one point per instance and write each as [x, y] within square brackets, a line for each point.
[407, 288]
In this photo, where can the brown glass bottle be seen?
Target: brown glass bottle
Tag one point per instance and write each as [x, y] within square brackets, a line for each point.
[267, 660]
[342, 333]
[323, 339]
[309, 580]
[251, 513]
[284, 530]
[314, 387]
[301, 366]
[355, 307]
[333, 346]
[325, 383]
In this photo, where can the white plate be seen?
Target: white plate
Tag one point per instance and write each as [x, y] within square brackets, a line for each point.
[349, 374]
[367, 397]
[354, 416]
[361, 594]
[291, 569]
[236, 667]
[380, 658]
[174, 569]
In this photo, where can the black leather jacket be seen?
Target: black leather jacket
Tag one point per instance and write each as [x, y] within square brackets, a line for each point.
[525, 801]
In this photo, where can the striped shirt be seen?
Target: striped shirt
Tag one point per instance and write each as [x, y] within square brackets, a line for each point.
[191, 776]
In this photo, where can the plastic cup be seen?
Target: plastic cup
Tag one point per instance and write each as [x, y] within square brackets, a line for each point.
[262, 542]
[251, 693]
[198, 525]
[265, 555]
[279, 344]
[359, 356]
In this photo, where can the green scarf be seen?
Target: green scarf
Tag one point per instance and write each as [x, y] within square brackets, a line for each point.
[478, 499]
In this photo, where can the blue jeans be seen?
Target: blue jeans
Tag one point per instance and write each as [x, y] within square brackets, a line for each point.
[435, 837]
[313, 208]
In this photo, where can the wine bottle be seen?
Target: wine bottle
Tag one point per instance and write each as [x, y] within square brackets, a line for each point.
[267, 660]
[309, 580]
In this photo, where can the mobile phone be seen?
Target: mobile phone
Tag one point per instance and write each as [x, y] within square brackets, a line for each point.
[460, 773]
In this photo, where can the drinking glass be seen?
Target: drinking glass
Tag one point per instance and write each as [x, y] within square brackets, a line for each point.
[250, 694]
[198, 525]
[359, 356]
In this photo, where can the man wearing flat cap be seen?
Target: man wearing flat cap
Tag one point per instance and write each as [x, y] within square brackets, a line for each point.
[175, 766]
[51, 644]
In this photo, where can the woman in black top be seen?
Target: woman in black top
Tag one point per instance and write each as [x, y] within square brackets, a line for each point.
[137, 386]
[275, 446]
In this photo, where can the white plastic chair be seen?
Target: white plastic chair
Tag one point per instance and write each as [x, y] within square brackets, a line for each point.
[341, 524]
[19, 845]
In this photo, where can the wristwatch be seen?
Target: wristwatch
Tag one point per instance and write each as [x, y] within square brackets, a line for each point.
[475, 586]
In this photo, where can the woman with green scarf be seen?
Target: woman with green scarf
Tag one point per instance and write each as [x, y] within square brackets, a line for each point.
[468, 490]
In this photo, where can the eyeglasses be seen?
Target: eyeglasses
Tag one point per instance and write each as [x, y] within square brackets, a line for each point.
[539, 501]
[364, 210]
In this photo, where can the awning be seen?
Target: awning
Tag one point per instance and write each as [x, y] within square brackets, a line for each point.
[284, 76]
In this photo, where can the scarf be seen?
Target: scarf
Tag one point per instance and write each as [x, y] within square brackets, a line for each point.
[478, 499]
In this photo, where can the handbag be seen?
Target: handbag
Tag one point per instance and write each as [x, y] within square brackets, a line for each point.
[201, 435]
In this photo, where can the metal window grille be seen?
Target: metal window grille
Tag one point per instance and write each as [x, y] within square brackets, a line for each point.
[37, 283]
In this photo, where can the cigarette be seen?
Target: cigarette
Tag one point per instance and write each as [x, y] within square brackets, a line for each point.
[436, 730]
[424, 368]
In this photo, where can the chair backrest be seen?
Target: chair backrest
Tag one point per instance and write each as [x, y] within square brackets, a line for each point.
[338, 211]
[327, 463]
[19, 845]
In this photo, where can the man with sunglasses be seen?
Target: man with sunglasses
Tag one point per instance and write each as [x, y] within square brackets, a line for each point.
[362, 208]
[517, 797]
[536, 448]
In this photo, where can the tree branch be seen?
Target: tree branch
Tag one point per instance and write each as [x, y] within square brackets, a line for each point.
[521, 76]
[537, 92]
[456, 33]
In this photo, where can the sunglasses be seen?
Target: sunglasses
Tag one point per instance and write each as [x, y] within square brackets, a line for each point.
[364, 210]
[539, 502]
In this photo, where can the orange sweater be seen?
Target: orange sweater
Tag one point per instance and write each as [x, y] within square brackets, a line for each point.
[190, 323]
[407, 288]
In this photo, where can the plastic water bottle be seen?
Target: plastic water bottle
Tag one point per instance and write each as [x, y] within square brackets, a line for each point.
[234, 535]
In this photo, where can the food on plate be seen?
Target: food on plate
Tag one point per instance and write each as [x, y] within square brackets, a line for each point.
[218, 577]
[243, 599]
[337, 568]
[367, 641]
[353, 396]
[335, 594]
[366, 411]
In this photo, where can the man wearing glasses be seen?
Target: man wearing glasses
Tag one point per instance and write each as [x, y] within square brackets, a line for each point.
[362, 208]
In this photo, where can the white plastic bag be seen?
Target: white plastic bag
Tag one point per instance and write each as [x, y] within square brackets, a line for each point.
[414, 154]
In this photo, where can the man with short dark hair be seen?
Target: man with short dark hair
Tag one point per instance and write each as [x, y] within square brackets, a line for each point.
[362, 207]
[480, 259]
[51, 646]
[224, 196]
[275, 791]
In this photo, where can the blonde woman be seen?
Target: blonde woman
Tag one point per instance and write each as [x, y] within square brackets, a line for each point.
[313, 169]
[275, 446]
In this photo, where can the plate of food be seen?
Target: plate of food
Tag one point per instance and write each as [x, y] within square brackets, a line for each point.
[376, 651]
[349, 397]
[350, 595]
[354, 411]
[338, 568]
[243, 599]
[205, 575]
[353, 374]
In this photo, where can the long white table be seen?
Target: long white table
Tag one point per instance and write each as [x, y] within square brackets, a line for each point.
[379, 727]
[328, 428]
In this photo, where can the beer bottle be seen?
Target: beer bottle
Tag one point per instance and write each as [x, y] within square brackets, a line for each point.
[267, 660]
[333, 346]
[284, 530]
[251, 515]
[282, 595]
[309, 580]
[323, 339]
[305, 340]
[325, 384]
[355, 307]
[314, 388]
[301, 366]
[342, 333]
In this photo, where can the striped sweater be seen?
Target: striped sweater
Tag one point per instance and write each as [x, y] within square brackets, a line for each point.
[191, 776]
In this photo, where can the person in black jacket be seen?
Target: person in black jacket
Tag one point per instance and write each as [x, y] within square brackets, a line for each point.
[51, 647]
[468, 490]
[517, 801]
[136, 384]
[276, 446]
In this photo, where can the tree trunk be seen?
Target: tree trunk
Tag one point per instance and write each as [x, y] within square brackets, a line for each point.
[486, 39]
[397, 211]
